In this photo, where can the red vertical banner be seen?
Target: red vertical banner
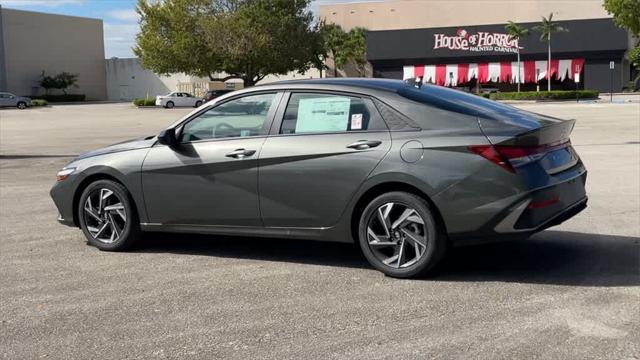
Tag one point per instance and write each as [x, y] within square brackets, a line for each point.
[483, 72]
[463, 71]
[441, 74]
[505, 72]
[576, 66]
[553, 69]
[529, 71]
[418, 71]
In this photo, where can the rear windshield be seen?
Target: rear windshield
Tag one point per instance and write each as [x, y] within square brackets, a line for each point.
[473, 106]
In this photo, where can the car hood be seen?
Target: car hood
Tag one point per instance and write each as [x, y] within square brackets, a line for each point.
[139, 143]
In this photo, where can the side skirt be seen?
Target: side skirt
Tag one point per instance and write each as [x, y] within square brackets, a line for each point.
[321, 234]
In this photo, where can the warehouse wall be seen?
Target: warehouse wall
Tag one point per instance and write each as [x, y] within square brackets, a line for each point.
[34, 42]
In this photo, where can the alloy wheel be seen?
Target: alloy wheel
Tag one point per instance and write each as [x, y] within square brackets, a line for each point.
[105, 216]
[396, 235]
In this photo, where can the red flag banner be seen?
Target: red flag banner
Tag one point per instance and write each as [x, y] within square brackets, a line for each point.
[463, 70]
[483, 72]
[505, 72]
[441, 74]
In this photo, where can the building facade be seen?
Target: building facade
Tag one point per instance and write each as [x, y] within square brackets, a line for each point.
[32, 42]
[461, 43]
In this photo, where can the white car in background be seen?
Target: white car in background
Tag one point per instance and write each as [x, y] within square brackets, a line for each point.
[10, 100]
[177, 98]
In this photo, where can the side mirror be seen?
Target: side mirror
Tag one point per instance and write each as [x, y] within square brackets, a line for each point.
[168, 137]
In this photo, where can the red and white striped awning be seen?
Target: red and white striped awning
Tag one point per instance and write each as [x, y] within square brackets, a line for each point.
[506, 72]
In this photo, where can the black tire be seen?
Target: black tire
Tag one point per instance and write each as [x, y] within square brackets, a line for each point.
[436, 243]
[198, 103]
[21, 105]
[129, 234]
[170, 105]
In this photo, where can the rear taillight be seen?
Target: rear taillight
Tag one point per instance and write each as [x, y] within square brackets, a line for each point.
[504, 155]
[515, 152]
[490, 153]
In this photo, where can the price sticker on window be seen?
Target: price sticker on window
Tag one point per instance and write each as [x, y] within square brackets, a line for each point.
[356, 121]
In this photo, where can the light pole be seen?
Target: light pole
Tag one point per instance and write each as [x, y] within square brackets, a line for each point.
[612, 64]
[518, 74]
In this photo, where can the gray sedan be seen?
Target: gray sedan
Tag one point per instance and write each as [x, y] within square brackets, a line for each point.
[404, 170]
[11, 100]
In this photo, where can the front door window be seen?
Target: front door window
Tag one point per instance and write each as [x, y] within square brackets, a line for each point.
[241, 117]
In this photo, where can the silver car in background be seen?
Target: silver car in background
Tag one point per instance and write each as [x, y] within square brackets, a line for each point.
[178, 98]
[11, 100]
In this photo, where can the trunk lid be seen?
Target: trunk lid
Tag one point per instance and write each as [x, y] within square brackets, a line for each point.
[532, 138]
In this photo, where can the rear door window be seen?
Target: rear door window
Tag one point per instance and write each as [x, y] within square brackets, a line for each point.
[308, 113]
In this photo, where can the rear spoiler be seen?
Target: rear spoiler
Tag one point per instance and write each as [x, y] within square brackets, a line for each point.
[553, 133]
[549, 131]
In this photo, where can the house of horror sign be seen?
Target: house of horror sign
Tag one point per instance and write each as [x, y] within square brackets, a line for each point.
[480, 41]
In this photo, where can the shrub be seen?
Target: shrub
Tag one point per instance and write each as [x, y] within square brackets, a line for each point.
[144, 102]
[63, 97]
[61, 81]
[39, 102]
[543, 95]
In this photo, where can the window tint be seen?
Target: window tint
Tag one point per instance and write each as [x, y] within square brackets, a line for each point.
[236, 118]
[320, 113]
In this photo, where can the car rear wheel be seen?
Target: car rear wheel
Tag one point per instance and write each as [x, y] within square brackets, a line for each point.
[107, 217]
[198, 103]
[22, 105]
[399, 236]
[170, 105]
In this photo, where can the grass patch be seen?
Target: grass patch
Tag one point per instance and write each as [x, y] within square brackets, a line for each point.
[144, 102]
[39, 102]
[543, 95]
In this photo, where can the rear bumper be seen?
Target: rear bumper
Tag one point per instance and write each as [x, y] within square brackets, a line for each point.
[531, 213]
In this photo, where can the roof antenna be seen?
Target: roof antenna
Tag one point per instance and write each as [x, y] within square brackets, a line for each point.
[415, 82]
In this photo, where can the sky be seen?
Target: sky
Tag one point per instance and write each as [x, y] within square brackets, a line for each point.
[120, 20]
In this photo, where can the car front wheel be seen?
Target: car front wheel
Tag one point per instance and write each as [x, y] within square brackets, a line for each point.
[107, 216]
[170, 105]
[22, 105]
[399, 236]
[198, 103]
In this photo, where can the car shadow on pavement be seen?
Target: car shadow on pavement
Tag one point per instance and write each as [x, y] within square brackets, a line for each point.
[268, 249]
[551, 257]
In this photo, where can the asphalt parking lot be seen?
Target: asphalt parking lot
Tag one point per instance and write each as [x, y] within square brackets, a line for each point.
[570, 292]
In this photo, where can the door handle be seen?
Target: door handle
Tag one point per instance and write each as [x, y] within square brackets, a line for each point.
[240, 153]
[364, 144]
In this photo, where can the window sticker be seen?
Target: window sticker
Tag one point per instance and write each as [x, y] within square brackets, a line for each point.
[356, 121]
[324, 114]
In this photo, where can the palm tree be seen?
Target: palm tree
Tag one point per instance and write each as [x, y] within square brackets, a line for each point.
[516, 32]
[546, 28]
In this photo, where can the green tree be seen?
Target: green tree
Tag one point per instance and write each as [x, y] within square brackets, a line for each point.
[516, 32]
[626, 14]
[334, 39]
[345, 47]
[170, 36]
[356, 49]
[66, 80]
[61, 81]
[546, 28]
[246, 39]
[48, 82]
[634, 57]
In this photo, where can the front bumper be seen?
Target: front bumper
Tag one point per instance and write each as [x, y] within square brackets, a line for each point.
[66, 222]
[62, 194]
